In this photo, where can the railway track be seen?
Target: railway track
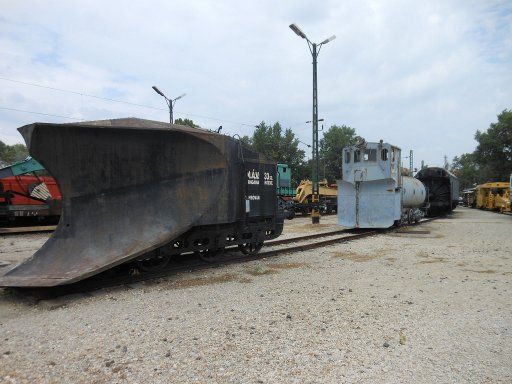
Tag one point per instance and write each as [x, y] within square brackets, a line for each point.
[128, 274]
[26, 230]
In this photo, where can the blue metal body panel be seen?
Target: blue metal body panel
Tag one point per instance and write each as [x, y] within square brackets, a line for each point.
[370, 204]
[370, 194]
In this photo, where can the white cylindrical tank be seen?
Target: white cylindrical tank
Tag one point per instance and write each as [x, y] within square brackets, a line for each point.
[413, 192]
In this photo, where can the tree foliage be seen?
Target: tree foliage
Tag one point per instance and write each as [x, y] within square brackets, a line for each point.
[492, 158]
[465, 168]
[278, 145]
[282, 146]
[493, 153]
[188, 122]
[331, 149]
[10, 154]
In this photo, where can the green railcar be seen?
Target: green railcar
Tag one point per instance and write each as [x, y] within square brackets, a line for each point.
[284, 181]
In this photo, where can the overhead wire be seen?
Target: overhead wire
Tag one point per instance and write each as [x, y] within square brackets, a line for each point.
[120, 101]
[40, 113]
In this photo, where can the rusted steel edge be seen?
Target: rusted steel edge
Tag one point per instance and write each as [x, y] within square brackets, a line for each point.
[23, 230]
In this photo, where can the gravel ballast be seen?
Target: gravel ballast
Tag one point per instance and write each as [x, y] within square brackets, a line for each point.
[429, 304]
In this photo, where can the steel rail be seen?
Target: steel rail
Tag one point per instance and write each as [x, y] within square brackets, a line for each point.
[116, 278]
[306, 237]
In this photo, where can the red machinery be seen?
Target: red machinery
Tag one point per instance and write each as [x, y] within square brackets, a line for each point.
[27, 196]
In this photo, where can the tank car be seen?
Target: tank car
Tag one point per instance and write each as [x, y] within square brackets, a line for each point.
[140, 191]
[442, 190]
[373, 192]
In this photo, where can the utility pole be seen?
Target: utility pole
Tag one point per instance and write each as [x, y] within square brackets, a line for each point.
[315, 50]
[170, 102]
[315, 212]
[411, 163]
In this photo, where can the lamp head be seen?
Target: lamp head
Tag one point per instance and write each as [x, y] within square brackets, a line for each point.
[297, 30]
[328, 39]
[157, 90]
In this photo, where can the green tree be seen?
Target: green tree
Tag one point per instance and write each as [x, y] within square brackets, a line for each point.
[188, 122]
[10, 154]
[466, 169]
[246, 140]
[493, 153]
[303, 171]
[277, 145]
[331, 149]
[3, 147]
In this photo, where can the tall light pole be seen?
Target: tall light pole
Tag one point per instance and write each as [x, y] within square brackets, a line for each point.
[314, 48]
[170, 102]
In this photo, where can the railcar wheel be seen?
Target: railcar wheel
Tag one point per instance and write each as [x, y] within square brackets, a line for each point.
[409, 217]
[153, 264]
[209, 255]
[250, 248]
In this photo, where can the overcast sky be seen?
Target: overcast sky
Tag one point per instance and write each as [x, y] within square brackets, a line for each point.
[420, 75]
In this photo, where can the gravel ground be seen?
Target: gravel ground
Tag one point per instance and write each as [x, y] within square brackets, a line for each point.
[393, 308]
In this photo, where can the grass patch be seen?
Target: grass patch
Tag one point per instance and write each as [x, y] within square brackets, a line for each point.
[261, 271]
[402, 338]
[357, 257]
[434, 260]
[287, 265]
[207, 280]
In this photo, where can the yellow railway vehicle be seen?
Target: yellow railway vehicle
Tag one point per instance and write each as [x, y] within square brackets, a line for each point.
[328, 197]
[493, 196]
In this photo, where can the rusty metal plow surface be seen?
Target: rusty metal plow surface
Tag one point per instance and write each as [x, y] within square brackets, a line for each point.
[124, 185]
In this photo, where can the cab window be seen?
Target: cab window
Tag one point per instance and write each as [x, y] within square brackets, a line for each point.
[357, 156]
[370, 155]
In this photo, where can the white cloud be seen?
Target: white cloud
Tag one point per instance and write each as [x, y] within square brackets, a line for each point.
[424, 76]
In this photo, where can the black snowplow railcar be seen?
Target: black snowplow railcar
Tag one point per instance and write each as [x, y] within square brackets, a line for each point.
[135, 189]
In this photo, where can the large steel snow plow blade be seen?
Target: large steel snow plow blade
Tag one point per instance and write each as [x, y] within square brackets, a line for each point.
[128, 187]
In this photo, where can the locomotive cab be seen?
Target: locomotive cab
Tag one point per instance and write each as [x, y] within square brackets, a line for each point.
[373, 193]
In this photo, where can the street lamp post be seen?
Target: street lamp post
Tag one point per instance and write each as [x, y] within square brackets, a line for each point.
[170, 102]
[314, 48]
